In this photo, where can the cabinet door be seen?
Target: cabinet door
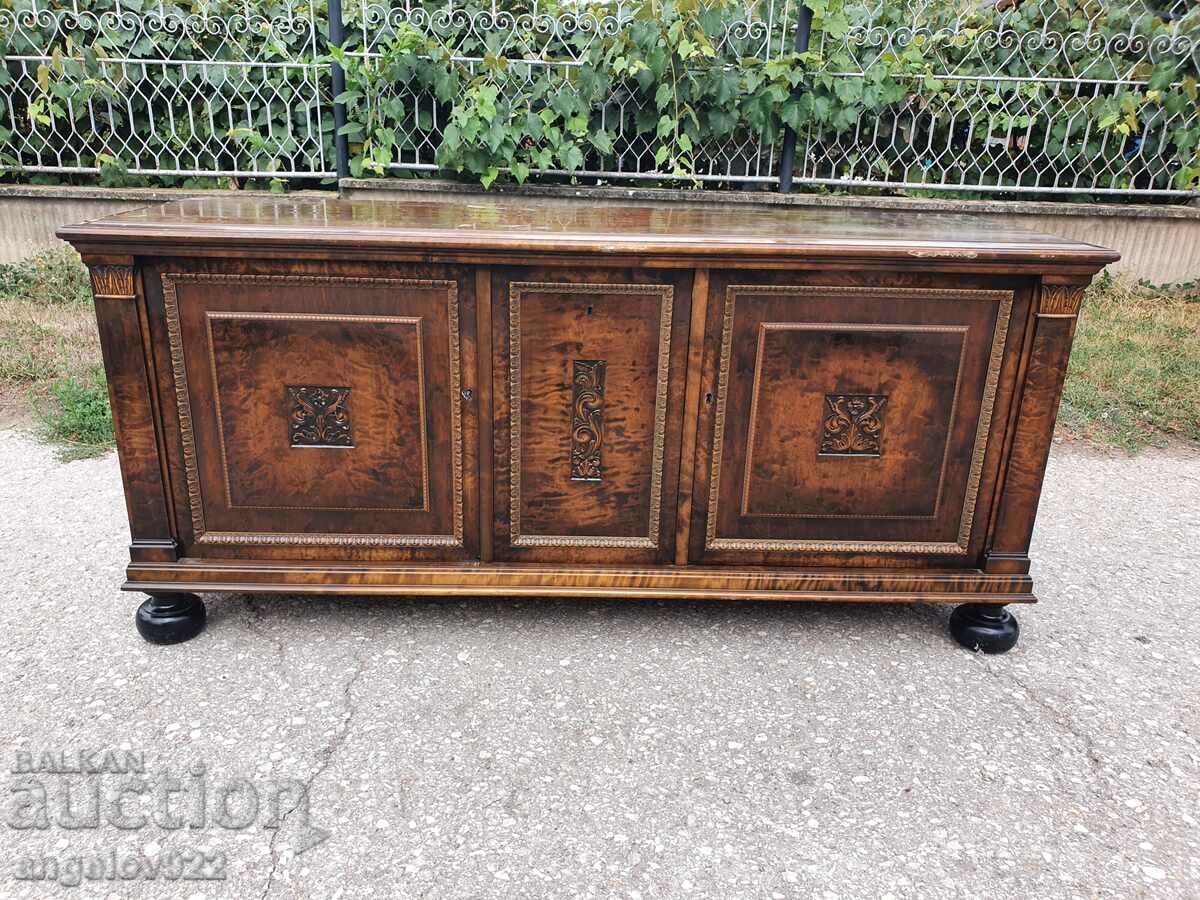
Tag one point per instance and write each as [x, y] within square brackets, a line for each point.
[589, 380]
[851, 420]
[321, 414]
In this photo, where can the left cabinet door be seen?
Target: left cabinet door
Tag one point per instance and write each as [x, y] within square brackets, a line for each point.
[319, 411]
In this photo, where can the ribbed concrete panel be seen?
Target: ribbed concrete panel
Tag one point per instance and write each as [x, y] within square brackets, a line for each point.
[1160, 244]
[1156, 250]
[29, 214]
[29, 223]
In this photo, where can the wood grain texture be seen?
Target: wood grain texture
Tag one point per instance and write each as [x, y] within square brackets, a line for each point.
[1033, 431]
[691, 416]
[517, 398]
[252, 356]
[573, 580]
[936, 353]
[483, 405]
[501, 226]
[546, 319]
[233, 341]
[637, 324]
[123, 351]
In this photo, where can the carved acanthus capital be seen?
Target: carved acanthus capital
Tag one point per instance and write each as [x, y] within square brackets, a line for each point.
[112, 282]
[1061, 299]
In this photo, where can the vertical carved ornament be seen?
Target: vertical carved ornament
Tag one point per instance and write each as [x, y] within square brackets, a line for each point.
[112, 282]
[587, 419]
[318, 416]
[853, 425]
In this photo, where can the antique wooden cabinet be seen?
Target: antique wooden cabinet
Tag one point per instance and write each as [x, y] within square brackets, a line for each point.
[490, 396]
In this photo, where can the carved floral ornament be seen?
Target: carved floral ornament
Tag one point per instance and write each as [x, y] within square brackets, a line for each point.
[587, 419]
[318, 416]
[853, 424]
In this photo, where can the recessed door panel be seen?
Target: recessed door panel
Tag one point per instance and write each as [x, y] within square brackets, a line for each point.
[589, 371]
[846, 419]
[323, 415]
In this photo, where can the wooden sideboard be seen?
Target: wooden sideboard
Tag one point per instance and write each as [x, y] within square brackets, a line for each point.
[489, 396]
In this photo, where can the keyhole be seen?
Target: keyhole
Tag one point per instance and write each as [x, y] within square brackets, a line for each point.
[589, 311]
[708, 397]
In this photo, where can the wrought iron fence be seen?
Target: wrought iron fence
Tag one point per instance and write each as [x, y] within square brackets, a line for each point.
[1016, 105]
[1015, 98]
[551, 41]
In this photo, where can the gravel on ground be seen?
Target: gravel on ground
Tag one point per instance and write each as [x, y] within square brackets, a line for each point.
[481, 748]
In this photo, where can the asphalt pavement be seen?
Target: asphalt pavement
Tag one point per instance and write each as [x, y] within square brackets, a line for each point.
[484, 748]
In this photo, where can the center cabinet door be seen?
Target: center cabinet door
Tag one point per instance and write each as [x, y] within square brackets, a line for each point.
[319, 410]
[589, 369]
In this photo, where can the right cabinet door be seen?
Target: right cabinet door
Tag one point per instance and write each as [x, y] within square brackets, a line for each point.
[852, 419]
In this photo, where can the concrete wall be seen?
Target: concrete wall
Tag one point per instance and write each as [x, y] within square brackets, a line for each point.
[1157, 243]
[29, 214]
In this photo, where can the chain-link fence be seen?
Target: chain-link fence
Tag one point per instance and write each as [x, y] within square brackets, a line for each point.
[1020, 96]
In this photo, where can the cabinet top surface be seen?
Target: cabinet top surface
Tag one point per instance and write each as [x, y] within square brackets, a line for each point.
[491, 224]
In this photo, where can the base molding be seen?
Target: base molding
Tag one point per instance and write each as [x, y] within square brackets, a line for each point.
[515, 580]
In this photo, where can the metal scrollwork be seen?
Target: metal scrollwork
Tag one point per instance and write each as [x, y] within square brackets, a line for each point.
[1009, 103]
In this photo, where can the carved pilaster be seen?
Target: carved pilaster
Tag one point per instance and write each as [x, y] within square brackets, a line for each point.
[1046, 369]
[112, 282]
[124, 345]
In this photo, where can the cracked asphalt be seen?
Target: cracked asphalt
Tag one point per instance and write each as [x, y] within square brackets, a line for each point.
[476, 748]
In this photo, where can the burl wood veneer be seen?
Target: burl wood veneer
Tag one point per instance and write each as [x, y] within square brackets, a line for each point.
[505, 397]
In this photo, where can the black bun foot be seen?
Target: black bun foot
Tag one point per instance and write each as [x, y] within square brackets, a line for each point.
[170, 618]
[981, 626]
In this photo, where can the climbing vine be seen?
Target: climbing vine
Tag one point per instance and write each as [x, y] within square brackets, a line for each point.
[660, 84]
[1028, 94]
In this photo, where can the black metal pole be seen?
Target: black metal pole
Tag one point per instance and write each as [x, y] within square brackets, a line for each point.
[803, 28]
[337, 37]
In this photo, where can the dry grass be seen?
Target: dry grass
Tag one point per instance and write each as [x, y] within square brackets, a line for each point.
[50, 367]
[40, 343]
[1134, 379]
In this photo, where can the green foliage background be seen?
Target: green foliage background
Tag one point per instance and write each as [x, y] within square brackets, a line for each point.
[685, 95]
[101, 98]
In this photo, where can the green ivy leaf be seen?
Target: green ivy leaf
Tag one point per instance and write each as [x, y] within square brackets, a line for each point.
[571, 157]
[577, 125]
[663, 95]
